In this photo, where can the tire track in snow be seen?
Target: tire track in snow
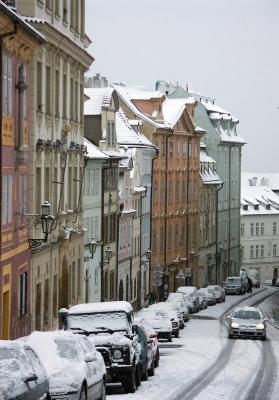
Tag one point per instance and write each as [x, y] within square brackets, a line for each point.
[199, 383]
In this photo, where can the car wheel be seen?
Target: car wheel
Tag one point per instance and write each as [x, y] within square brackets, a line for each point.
[264, 338]
[170, 338]
[182, 326]
[130, 382]
[151, 371]
[176, 335]
[83, 394]
[103, 396]
[230, 336]
[138, 375]
[157, 360]
[144, 375]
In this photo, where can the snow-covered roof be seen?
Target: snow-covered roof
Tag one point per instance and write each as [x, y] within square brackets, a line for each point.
[270, 180]
[228, 135]
[22, 21]
[127, 95]
[99, 98]
[94, 152]
[172, 110]
[213, 107]
[109, 306]
[144, 94]
[258, 200]
[126, 134]
[139, 189]
[204, 157]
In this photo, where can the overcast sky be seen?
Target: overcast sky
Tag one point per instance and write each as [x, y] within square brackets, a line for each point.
[226, 49]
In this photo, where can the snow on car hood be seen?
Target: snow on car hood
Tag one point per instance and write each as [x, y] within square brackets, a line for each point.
[107, 339]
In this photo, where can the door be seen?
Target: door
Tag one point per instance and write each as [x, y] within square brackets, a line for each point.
[39, 387]
[6, 315]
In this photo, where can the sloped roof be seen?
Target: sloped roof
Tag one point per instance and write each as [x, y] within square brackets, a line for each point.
[126, 134]
[259, 196]
[22, 22]
[94, 152]
[98, 98]
[172, 110]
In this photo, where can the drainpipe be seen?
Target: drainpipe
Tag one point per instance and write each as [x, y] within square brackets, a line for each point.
[187, 202]
[217, 253]
[151, 213]
[102, 235]
[166, 196]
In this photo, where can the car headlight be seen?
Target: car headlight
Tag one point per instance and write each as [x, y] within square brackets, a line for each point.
[260, 326]
[234, 325]
[117, 354]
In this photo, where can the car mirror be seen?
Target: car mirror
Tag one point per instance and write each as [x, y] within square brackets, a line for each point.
[31, 378]
[90, 357]
[135, 329]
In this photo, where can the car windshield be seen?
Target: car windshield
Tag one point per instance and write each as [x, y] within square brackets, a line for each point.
[233, 280]
[246, 314]
[115, 321]
[10, 359]
[67, 349]
[153, 315]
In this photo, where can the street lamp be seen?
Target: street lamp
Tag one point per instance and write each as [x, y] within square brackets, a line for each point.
[47, 224]
[92, 246]
[148, 254]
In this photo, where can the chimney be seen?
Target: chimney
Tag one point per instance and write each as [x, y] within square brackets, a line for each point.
[254, 181]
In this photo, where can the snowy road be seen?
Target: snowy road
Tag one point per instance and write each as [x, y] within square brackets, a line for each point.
[204, 365]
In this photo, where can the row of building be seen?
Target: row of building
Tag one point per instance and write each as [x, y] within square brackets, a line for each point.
[108, 191]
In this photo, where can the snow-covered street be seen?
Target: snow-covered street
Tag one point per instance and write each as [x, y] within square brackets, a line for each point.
[204, 364]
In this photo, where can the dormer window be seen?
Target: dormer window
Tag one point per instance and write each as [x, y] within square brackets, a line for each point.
[268, 206]
[256, 206]
[245, 207]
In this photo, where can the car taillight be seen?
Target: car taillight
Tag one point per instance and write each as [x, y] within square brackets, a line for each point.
[153, 336]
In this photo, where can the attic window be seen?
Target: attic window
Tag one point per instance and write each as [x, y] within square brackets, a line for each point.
[256, 206]
[245, 207]
[268, 206]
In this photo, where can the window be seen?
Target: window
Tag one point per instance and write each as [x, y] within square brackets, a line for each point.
[81, 107]
[23, 294]
[242, 229]
[70, 185]
[22, 193]
[252, 229]
[170, 239]
[72, 99]
[162, 239]
[108, 134]
[57, 7]
[262, 250]
[47, 185]
[171, 149]
[82, 17]
[57, 93]
[176, 235]
[257, 229]
[262, 228]
[177, 149]
[257, 251]
[184, 150]
[251, 251]
[163, 148]
[72, 4]
[77, 15]
[65, 11]
[190, 149]
[39, 87]
[7, 91]
[87, 182]
[46, 302]
[177, 191]
[106, 285]
[274, 250]
[111, 285]
[76, 101]
[274, 228]
[48, 90]
[7, 191]
[112, 133]
[65, 97]
[38, 190]
[49, 4]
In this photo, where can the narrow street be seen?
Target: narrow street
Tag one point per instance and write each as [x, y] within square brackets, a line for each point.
[204, 364]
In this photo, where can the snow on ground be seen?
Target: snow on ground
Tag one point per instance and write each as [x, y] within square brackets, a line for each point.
[199, 346]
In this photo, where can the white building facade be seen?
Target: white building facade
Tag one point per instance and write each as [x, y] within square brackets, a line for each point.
[57, 140]
[259, 228]
[92, 214]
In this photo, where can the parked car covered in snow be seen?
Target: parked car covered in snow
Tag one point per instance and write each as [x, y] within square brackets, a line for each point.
[110, 326]
[146, 360]
[191, 291]
[22, 375]
[202, 299]
[210, 296]
[172, 315]
[179, 300]
[75, 369]
[159, 321]
[220, 295]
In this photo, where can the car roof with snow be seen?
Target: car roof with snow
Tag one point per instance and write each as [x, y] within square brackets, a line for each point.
[104, 307]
